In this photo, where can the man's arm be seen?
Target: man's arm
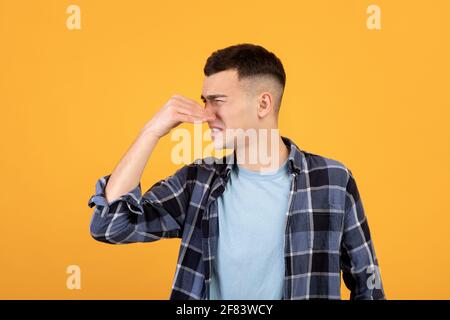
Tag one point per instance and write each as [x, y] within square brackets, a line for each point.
[119, 216]
[359, 264]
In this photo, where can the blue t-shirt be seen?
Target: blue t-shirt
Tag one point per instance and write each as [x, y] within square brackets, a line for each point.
[250, 254]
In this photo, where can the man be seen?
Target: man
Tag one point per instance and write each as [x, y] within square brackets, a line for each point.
[282, 228]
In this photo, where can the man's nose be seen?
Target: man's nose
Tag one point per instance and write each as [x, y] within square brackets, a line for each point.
[210, 109]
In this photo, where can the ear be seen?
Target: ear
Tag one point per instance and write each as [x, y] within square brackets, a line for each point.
[265, 104]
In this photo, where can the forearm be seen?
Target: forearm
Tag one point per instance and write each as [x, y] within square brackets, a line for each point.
[129, 170]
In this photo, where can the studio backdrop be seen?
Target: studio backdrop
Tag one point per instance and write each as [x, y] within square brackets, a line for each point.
[367, 83]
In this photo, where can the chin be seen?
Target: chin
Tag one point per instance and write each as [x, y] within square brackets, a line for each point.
[220, 143]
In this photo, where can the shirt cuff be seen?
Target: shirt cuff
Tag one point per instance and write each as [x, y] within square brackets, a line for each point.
[131, 198]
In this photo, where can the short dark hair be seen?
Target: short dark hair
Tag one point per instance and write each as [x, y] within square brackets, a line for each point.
[249, 60]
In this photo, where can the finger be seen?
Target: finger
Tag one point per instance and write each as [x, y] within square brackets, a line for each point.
[188, 118]
[185, 109]
[194, 105]
[186, 100]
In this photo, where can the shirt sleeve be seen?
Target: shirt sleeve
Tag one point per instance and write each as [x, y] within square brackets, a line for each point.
[359, 264]
[133, 217]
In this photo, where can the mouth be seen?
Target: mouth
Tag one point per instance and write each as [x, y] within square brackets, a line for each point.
[215, 129]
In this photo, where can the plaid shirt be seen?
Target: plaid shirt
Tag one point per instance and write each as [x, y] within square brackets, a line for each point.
[326, 228]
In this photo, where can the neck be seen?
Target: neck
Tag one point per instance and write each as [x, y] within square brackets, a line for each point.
[263, 152]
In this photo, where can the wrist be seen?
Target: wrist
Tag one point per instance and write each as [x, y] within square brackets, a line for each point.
[149, 133]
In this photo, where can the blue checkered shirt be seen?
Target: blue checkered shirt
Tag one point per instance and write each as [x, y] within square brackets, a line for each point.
[326, 229]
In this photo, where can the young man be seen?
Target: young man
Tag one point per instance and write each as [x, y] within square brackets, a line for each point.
[278, 229]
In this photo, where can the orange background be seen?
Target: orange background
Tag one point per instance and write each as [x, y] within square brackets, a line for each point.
[73, 101]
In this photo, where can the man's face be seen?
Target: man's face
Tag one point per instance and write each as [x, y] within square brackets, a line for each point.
[232, 103]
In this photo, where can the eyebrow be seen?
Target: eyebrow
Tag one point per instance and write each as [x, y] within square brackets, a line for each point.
[212, 96]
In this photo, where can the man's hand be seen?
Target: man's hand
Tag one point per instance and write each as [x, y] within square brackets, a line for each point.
[128, 172]
[178, 109]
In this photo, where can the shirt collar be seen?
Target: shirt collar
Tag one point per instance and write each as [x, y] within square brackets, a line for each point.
[295, 159]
